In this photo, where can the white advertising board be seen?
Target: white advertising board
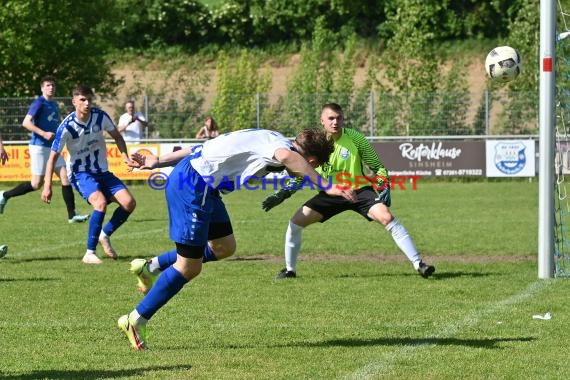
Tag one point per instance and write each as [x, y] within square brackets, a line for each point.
[510, 158]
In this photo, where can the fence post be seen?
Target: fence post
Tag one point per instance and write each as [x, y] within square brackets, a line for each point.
[145, 101]
[372, 114]
[487, 112]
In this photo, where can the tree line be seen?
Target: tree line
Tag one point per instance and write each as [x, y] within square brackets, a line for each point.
[78, 40]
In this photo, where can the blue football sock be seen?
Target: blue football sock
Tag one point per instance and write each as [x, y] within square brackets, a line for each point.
[208, 255]
[167, 286]
[95, 223]
[167, 259]
[119, 217]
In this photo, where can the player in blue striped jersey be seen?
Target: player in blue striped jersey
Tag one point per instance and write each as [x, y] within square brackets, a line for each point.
[83, 134]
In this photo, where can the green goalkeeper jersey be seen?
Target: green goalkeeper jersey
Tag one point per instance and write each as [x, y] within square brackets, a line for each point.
[348, 164]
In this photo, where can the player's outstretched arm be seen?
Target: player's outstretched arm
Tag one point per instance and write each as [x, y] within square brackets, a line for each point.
[121, 145]
[151, 161]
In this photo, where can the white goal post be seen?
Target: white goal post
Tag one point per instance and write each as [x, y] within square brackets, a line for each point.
[547, 122]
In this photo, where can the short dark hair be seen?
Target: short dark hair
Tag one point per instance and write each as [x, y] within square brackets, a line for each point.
[333, 107]
[315, 142]
[82, 89]
[47, 78]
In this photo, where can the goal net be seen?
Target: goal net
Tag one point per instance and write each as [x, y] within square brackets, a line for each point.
[562, 145]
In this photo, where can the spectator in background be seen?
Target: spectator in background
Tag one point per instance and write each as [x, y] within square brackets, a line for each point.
[131, 123]
[209, 130]
[42, 120]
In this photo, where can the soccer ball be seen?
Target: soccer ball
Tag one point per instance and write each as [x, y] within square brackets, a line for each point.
[503, 64]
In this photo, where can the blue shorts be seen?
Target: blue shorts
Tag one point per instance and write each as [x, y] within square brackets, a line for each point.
[193, 206]
[88, 183]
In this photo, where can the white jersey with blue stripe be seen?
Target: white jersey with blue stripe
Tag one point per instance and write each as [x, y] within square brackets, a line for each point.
[85, 141]
[238, 156]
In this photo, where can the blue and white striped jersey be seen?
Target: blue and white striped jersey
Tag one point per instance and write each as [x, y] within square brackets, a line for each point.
[85, 142]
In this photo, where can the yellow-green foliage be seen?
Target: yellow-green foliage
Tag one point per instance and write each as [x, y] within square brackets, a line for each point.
[240, 83]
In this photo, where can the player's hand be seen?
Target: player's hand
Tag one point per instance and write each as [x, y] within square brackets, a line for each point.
[48, 136]
[275, 199]
[142, 161]
[340, 191]
[46, 194]
[130, 164]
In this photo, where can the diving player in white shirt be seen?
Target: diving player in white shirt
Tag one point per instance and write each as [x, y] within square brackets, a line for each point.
[199, 223]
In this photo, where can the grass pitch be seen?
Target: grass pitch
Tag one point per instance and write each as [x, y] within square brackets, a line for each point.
[356, 311]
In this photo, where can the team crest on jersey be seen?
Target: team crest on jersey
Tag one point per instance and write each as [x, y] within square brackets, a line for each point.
[96, 128]
[344, 153]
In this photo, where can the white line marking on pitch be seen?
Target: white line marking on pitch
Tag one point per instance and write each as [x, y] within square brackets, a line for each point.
[387, 361]
[77, 243]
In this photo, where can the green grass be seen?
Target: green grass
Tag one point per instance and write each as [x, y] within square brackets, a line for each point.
[356, 311]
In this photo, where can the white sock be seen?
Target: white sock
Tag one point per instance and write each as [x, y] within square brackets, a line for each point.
[136, 317]
[90, 252]
[153, 265]
[102, 235]
[404, 241]
[292, 245]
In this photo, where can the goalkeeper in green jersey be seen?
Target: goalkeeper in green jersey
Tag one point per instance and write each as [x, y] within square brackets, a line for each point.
[352, 154]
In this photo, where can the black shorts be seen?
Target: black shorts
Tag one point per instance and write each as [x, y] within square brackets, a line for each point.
[219, 230]
[330, 206]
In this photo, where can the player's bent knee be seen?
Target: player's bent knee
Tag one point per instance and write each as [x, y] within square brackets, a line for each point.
[189, 262]
[36, 184]
[189, 268]
[130, 205]
[224, 247]
[99, 204]
[223, 252]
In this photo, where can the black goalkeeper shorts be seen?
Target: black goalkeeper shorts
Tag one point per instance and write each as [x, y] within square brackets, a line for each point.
[330, 206]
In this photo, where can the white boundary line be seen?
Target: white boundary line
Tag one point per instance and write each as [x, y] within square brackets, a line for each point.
[386, 362]
[54, 248]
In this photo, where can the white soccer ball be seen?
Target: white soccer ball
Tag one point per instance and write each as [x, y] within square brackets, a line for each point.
[503, 64]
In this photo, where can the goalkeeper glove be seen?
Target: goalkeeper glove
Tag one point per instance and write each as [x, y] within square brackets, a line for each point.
[275, 199]
[383, 193]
